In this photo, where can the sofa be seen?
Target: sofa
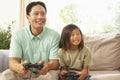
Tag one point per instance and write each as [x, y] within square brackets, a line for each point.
[3, 60]
[105, 51]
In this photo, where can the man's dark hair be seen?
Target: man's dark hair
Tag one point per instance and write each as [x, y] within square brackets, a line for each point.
[32, 4]
[65, 37]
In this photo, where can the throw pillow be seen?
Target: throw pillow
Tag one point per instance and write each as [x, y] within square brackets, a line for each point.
[105, 50]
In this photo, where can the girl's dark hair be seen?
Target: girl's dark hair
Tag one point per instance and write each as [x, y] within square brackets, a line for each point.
[32, 4]
[65, 37]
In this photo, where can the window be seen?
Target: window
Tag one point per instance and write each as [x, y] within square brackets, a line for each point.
[92, 16]
[9, 14]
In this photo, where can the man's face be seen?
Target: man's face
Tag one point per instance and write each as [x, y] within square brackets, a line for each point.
[37, 17]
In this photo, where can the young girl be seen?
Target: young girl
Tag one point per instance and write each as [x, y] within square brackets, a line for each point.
[73, 55]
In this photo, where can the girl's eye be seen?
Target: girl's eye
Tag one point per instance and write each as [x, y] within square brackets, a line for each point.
[77, 34]
[72, 34]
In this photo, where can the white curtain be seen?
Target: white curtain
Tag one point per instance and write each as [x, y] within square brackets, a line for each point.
[23, 4]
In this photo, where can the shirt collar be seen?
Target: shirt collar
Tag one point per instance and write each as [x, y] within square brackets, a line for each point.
[39, 36]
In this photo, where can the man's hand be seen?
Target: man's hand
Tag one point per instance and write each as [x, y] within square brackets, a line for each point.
[45, 68]
[21, 71]
[16, 66]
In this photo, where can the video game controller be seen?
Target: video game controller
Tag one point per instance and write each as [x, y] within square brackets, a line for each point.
[29, 65]
[70, 76]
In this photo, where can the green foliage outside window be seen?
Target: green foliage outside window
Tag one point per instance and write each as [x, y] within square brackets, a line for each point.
[5, 37]
[68, 14]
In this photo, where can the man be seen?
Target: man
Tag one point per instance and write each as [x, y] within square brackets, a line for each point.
[34, 44]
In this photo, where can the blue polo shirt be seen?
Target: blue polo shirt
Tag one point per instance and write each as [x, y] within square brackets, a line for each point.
[32, 48]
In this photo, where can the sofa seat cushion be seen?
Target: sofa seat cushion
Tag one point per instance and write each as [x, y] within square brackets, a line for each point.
[105, 75]
[105, 50]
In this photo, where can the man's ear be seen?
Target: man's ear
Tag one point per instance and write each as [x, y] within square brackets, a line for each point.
[27, 16]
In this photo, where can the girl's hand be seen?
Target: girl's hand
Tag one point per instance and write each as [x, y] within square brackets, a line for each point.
[62, 72]
[82, 75]
[78, 72]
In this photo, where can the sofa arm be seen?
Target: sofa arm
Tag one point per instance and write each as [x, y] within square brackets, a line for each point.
[3, 60]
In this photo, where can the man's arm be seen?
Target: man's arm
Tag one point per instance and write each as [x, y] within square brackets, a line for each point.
[13, 62]
[53, 64]
[16, 66]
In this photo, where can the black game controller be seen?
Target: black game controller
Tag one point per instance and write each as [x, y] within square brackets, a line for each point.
[70, 76]
[29, 65]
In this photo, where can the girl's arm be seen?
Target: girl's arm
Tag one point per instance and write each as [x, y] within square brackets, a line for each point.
[83, 73]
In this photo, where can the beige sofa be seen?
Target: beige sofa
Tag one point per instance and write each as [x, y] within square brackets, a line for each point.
[105, 50]
[3, 60]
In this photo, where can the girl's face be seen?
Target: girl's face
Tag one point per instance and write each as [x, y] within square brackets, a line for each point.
[75, 38]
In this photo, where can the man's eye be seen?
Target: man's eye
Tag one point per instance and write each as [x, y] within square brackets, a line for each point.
[42, 14]
[35, 13]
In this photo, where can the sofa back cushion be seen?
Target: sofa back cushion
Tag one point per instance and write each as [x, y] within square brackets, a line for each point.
[105, 50]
